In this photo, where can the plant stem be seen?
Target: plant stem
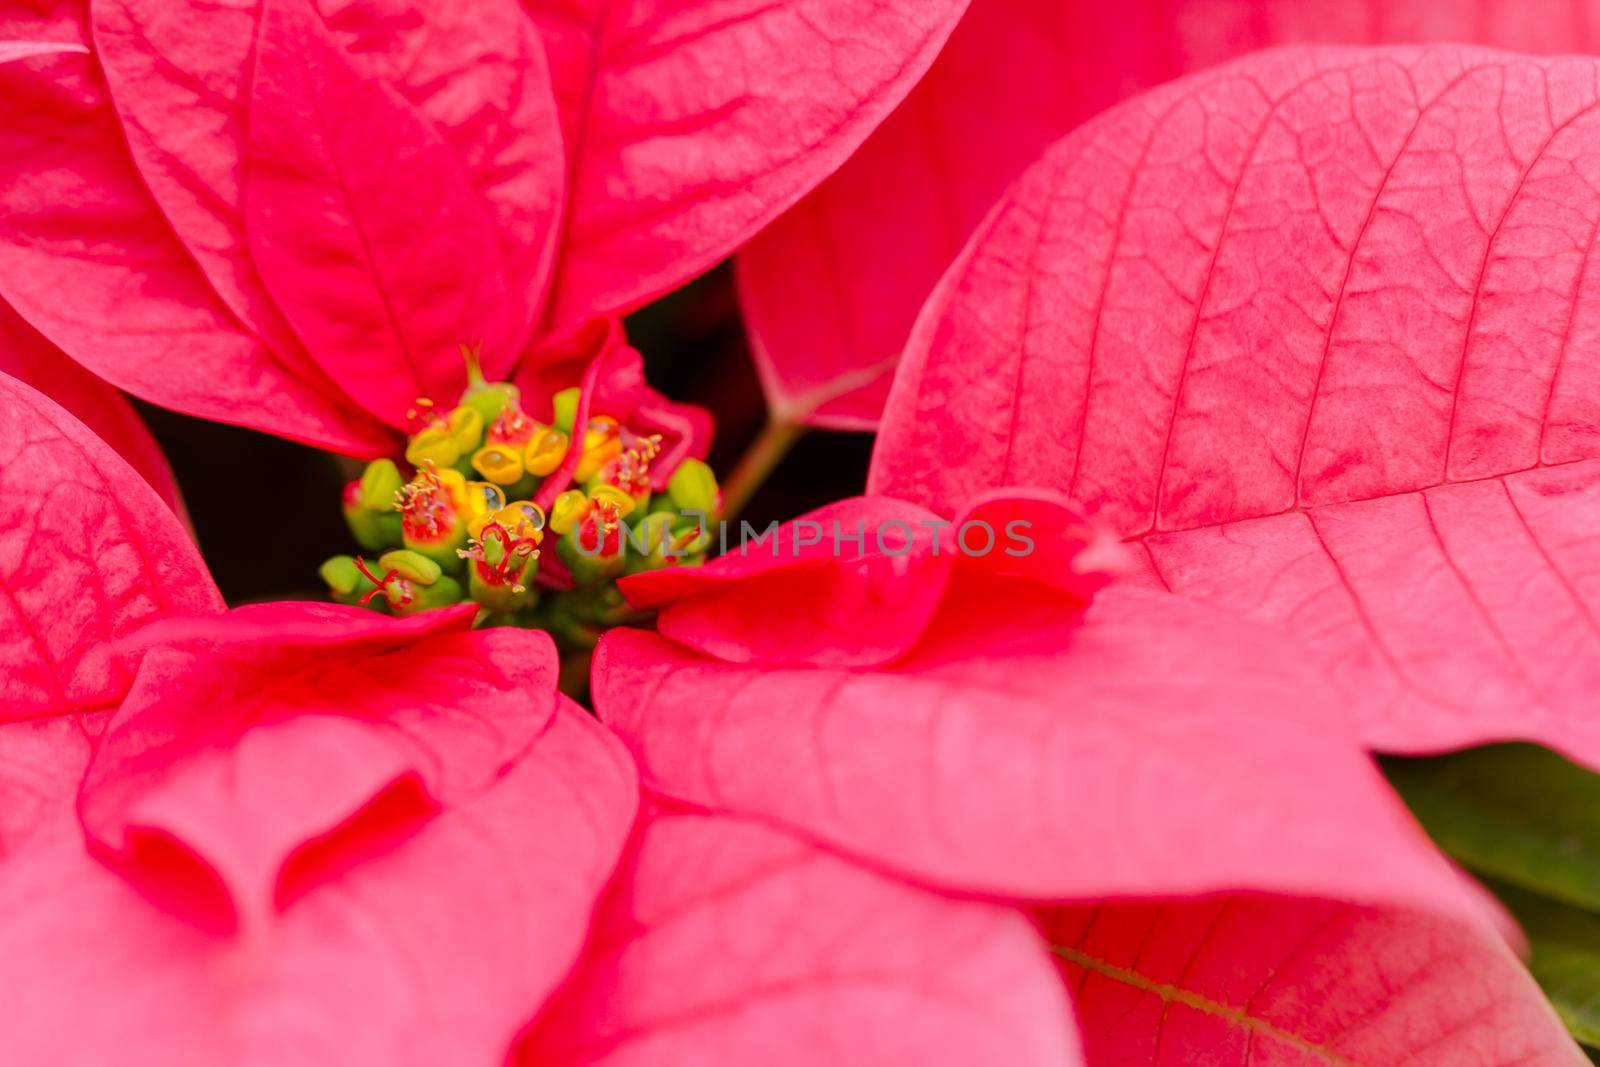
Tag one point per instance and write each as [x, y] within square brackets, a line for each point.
[774, 441]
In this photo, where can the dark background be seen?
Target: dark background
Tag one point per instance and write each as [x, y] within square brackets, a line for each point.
[267, 510]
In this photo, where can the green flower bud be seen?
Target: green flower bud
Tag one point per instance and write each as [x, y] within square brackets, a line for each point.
[655, 530]
[374, 528]
[486, 398]
[690, 537]
[565, 404]
[435, 445]
[412, 566]
[379, 483]
[599, 605]
[466, 429]
[412, 582]
[490, 400]
[441, 594]
[693, 487]
[591, 552]
[347, 584]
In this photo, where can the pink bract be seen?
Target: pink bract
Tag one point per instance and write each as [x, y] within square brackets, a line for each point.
[27, 356]
[313, 878]
[88, 555]
[1311, 332]
[831, 288]
[1023, 735]
[809, 955]
[1266, 980]
[299, 213]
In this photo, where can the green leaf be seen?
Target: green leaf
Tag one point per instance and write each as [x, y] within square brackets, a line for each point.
[1565, 943]
[1517, 813]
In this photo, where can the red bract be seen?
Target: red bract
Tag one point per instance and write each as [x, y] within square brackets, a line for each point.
[298, 214]
[1311, 331]
[831, 288]
[999, 739]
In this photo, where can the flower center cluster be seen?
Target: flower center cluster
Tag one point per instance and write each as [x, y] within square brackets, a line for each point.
[485, 489]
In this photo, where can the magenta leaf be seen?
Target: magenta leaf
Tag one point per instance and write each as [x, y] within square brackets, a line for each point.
[690, 126]
[727, 943]
[328, 837]
[34, 361]
[88, 555]
[831, 288]
[1311, 331]
[1264, 980]
[1017, 745]
[363, 223]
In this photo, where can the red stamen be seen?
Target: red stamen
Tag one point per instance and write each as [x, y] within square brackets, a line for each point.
[381, 585]
[511, 426]
[674, 427]
[600, 533]
[426, 509]
[514, 551]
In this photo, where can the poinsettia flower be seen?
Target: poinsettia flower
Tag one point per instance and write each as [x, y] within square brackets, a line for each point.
[297, 214]
[999, 739]
[831, 288]
[1311, 332]
[313, 834]
[301, 825]
[1022, 734]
